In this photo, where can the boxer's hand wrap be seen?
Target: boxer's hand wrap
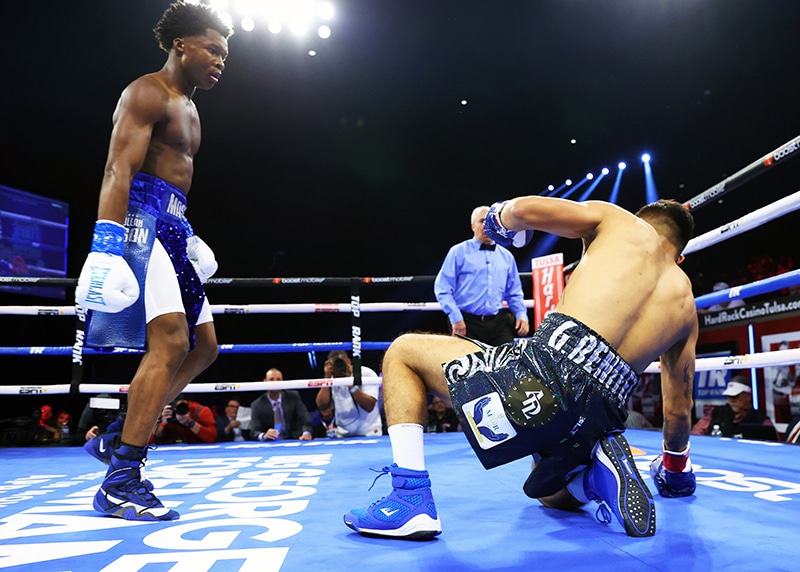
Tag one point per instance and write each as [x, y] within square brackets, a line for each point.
[502, 235]
[199, 253]
[107, 283]
[672, 473]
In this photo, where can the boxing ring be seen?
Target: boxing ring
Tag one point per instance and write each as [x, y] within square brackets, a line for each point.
[278, 506]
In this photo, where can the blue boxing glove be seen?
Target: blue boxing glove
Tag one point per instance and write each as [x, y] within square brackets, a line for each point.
[107, 283]
[672, 473]
[503, 236]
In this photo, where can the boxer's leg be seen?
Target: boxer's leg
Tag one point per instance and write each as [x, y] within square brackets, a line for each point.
[412, 366]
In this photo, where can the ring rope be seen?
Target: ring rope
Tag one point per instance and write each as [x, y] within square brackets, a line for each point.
[305, 308]
[749, 221]
[744, 361]
[742, 176]
[763, 286]
[298, 347]
[211, 387]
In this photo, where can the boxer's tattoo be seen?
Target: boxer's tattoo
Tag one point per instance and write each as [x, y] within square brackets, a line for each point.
[688, 376]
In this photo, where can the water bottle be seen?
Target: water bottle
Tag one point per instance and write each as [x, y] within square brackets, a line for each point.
[278, 429]
[715, 431]
[64, 430]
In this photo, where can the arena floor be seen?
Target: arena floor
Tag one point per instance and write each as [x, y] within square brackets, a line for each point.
[270, 507]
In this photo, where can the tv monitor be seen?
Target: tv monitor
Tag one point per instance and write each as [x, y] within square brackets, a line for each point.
[34, 232]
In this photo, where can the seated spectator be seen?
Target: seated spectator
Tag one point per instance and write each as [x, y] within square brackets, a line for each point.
[65, 428]
[184, 421]
[47, 429]
[279, 414]
[736, 303]
[441, 418]
[735, 414]
[229, 428]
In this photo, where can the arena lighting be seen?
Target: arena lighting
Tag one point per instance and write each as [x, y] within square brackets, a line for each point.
[551, 190]
[572, 190]
[649, 184]
[587, 193]
[568, 182]
[604, 171]
[615, 189]
[589, 176]
[299, 16]
[621, 165]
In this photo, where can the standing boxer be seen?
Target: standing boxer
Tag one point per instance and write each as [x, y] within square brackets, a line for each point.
[559, 396]
[142, 280]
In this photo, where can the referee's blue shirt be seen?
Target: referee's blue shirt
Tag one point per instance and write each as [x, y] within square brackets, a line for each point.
[478, 281]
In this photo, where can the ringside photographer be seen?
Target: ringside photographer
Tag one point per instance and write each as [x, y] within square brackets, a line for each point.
[356, 408]
[184, 421]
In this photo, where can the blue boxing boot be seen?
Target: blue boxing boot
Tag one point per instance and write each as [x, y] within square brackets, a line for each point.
[408, 512]
[124, 494]
[102, 446]
[613, 480]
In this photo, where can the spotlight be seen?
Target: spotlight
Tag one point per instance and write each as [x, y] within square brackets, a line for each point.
[646, 158]
[568, 182]
[589, 176]
[551, 188]
[605, 171]
[621, 165]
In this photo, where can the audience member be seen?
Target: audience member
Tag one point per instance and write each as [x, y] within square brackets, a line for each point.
[441, 418]
[356, 410]
[228, 426]
[735, 414]
[64, 424]
[48, 430]
[736, 303]
[184, 421]
[279, 414]
[476, 277]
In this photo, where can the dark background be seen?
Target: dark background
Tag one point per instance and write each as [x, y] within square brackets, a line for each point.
[362, 161]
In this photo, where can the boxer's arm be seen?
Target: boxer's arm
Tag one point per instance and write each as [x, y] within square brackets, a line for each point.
[672, 470]
[142, 104]
[677, 376]
[566, 218]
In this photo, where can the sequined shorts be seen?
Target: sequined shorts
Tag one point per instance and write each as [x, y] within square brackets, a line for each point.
[554, 395]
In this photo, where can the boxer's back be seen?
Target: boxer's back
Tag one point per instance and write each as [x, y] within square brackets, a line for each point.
[629, 289]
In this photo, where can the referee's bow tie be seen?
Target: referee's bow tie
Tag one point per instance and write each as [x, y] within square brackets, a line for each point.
[488, 246]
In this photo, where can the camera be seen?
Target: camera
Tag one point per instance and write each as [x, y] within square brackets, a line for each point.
[182, 408]
[339, 367]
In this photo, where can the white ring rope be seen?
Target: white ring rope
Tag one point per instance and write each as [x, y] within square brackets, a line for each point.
[309, 308]
[744, 361]
[211, 387]
[747, 222]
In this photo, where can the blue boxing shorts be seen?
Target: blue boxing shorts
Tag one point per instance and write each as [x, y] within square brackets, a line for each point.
[155, 249]
[554, 395]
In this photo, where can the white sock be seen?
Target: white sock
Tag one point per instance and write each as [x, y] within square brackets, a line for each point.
[407, 448]
[575, 487]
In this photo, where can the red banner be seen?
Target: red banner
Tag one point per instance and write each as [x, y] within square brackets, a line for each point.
[548, 284]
